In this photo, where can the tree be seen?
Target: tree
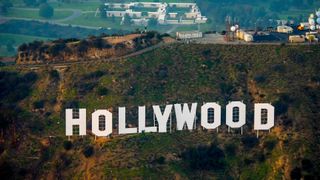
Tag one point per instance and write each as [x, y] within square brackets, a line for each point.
[102, 91]
[46, 11]
[102, 10]
[23, 47]
[82, 46]
[88, 151]
[38, 104]
[113, 18]
[152, 22]
[57, 48]
[67, 145]
[127, 20]
[54, 74]
[4, 6]
[249, 141]
[204, 158]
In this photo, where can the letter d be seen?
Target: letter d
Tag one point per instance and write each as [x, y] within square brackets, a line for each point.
[263, 112]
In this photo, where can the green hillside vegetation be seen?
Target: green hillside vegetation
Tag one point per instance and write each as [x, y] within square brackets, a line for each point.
[34, 14]
[33, 144]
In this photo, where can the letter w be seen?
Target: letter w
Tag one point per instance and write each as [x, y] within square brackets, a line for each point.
[185, 116]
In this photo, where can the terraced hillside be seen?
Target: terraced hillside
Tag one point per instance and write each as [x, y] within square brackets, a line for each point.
[33, 144]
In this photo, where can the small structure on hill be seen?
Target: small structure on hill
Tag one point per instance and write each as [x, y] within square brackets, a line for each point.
[284, 29]
[297, 39]
[243, 35]
[186, 35]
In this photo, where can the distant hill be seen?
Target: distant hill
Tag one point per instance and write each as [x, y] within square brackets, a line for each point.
[92, 48]
[33, 144]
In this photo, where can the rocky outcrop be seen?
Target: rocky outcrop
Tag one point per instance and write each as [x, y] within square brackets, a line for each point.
[81, 50]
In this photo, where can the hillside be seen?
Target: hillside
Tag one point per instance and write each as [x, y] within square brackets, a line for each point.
[92, 48]
[33, 144]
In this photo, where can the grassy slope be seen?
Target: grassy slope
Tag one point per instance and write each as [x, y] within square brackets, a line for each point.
[34, 14]
[16, 40]
[179, 73]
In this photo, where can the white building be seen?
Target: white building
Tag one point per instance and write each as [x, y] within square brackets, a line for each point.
[243, 35]
[129, 12]
[189, 35]
[140, 22]
[297, 39]
[284, 29]
[194, 16]
[182, 5]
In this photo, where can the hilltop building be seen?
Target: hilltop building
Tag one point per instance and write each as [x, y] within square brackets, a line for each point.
[164, 13]
[243, 35]
[185, 35]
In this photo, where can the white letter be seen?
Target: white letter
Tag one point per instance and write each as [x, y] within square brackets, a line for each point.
[142, 121]
[217, 115]
[122, 123]
[162, 118]
[185, 115]
[107, 118]
[241, 113]
[76, 119]
[265, 112]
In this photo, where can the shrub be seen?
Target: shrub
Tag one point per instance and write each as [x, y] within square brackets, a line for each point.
[161, 160]
[71, 104]
[67, 145]
[295, 174]
[88, 151]
[57, 48]
[99, 43]
[82, 46]
[162, 72]
[119, 46]
[249, 141]
[84, 88]
[54, 74]
[204, 157]
[102, 91]
[33, 46]
[269, 144]
[296, 57]
[152, 22]
[38, 104]
[46, 11]
[280, 68]
[280, 107]
[30, 77]
[226, 88]
[260, 79]
[230, 149]
[306, 165]
[94, 75]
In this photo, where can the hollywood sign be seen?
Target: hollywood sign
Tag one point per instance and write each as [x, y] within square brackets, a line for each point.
[185, 117]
